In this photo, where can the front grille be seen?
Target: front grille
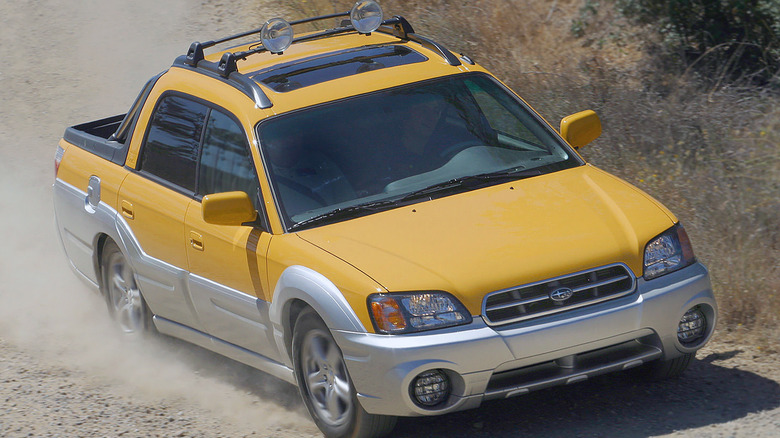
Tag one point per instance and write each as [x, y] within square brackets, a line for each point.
[570, 292]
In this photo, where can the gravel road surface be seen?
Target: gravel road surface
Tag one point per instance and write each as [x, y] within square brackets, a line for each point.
[64, 370]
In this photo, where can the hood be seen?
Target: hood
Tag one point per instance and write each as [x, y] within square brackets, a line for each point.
[502, 236]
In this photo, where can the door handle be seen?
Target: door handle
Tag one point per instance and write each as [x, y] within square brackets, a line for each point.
[196, 240]
[127, 210]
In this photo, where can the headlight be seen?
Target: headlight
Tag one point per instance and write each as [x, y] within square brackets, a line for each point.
[415, 311]
[668, 252]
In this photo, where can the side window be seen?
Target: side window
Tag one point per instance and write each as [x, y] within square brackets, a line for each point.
[171, 149]
[225, 163]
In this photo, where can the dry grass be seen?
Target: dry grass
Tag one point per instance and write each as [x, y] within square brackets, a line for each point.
[712, 156]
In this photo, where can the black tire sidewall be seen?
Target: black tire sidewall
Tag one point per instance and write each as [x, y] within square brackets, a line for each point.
[664, 369]
[308, 321]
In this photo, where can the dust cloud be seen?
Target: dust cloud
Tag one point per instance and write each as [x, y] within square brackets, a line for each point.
[66, 63]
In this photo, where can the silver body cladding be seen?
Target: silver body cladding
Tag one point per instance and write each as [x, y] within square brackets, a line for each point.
[483, 362]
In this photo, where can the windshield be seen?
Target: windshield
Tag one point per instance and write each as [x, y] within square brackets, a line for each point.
[377, 151]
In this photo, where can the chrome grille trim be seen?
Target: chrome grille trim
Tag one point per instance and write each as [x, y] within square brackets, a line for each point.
[600, 284]
[518, 303]
[589, 287]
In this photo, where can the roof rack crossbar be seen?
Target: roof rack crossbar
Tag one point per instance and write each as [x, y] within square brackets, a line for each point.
[400, 28]
[321, 17]
[195, 52]
[213, 43]
[227, 70]
[324, 33]
[396, 26]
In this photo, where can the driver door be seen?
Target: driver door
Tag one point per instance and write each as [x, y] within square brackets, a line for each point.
[228, 279]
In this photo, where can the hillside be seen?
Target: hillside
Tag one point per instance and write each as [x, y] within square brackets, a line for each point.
[708, 149]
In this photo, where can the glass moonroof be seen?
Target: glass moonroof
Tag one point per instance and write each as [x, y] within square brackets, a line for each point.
[310, 71]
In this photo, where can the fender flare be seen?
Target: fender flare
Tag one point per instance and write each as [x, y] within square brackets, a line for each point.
[299, 283]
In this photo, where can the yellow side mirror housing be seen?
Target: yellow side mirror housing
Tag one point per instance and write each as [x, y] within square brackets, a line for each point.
[581, 128]
[230, 208]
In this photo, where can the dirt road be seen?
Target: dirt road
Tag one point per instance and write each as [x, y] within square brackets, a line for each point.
[65, 372]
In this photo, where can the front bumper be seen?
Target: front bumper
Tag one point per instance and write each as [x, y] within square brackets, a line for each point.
[485, 362]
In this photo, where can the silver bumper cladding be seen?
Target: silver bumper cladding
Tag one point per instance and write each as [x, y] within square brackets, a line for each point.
[486, 363]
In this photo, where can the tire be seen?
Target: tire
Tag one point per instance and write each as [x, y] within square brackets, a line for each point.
[325, 385]
[125, 303]
[668, 369]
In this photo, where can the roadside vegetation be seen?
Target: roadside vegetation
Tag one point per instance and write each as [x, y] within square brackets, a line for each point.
[689, 97]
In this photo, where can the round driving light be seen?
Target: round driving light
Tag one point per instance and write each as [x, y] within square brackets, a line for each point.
[366, 16]
[692, 326]
[431, 388]
[276, 35]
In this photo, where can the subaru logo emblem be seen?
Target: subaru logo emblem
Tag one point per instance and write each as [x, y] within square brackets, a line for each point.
[561, 294]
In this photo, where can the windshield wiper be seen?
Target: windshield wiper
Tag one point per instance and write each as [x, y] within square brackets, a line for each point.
[343, 213]
[470, 182]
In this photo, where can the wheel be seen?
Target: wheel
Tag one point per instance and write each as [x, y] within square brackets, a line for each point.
[125, 302]
[325, 386]
[667, 369]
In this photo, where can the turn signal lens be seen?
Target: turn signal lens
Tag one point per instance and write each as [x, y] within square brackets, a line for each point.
[387, 315]
[416, 311]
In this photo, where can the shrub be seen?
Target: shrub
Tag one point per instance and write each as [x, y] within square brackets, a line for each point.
[723, 40]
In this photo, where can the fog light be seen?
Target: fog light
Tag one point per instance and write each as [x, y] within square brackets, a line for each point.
[431, 388]
[692, 326]
[276, 35]
[366, 16]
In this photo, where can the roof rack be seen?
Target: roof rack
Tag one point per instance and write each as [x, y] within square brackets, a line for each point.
[226, 69]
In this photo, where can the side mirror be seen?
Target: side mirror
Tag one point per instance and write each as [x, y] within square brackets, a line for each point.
[230, 208]
[581, 128]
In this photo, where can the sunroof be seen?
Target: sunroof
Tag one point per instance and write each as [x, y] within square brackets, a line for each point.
[323, 68]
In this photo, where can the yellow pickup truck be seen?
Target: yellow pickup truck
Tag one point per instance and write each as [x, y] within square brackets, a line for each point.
[363, 213]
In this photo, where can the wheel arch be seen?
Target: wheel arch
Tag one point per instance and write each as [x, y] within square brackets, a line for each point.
[100, 243]
[292, 309]
[300, 288]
